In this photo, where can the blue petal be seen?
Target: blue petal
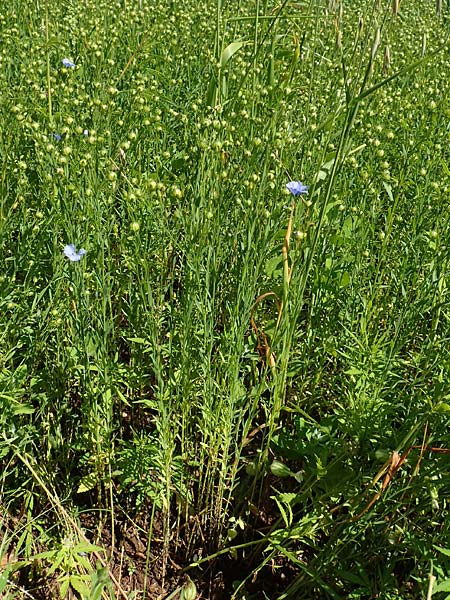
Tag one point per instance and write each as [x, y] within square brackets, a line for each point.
[67, 63]
[296, 188]
[72, 254]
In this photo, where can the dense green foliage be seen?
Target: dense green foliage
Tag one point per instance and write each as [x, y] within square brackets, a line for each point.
[232, 361]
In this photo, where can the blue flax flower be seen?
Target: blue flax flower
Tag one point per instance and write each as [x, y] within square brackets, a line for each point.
[73, 254]
[67, 63]
[57, 136]
[297, 188]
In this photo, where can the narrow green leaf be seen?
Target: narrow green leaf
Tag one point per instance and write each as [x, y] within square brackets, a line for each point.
[64, 588]
[4, 579]
[388, 189]
[444, 551]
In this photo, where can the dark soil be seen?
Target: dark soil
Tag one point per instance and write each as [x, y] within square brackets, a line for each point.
[130, 562]
[137, 567]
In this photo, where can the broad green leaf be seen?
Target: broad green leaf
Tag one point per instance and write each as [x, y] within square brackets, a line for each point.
[87, 483]
[79, 585]
[273, 266]
[444, 586]
[345, 279]
[288, 497]
[23, 409]
[229, 51]
[354, 371]
[189, 591]
[87, 547]
[279, 469]
[347, 227]
[137, 340]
